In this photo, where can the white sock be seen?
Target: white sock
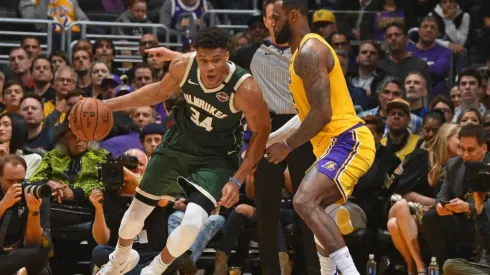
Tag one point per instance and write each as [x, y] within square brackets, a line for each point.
[327, 265]
[157, 265]
[343, 260]
[121, 253]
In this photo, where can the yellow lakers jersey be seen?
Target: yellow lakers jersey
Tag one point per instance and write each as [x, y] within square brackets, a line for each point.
[344, 115]
[62, 11]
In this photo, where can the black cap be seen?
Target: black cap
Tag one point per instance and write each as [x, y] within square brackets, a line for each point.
[254, 19]
[152, 128]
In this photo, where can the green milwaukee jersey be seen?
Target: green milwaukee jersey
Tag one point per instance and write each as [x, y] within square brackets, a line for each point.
[208, 115]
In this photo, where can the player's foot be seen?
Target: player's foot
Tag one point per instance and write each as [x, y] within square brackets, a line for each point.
[114, 268]
[343, 221]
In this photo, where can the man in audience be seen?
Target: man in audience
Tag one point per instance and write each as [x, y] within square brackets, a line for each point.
[104, 51]
[82, 62]
[12, 94]
[454, 206]
[172, 10]
[157, 67]
[340, 41]
[32, 46]
[39, 136]
[143, 116]
[109, 84]
[416, 89]
[83, 44]
[256, 29]
[151, 136]
[65, 80]
[26, 219]
[399, 140]
[357, 94]
[142, 75]
[20, 65]
[147, 41]
[42, 74]
[438, 58]
[388, 90]
[323, 23]
[469, 82]
[399, 62]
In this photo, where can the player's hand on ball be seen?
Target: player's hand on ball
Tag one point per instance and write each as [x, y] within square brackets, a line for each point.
[277, 152]
[230, 195]
[162, 54]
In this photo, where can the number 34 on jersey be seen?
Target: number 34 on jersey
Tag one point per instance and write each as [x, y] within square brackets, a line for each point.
[200, 120]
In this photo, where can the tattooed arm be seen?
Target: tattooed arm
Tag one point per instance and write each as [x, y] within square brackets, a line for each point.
[312, 65]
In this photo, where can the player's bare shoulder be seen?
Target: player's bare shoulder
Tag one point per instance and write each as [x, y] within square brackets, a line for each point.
[312, 58]
[179, 64]
[248, 93]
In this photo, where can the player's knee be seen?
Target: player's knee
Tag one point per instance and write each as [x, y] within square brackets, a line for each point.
[303, 204]
[131, 224]
[392, 225]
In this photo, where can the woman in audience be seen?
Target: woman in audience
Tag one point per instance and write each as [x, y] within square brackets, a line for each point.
[239, 40]
[98, 70]
[444, 105]
[418, 188]
[433, 120]
[59, 59]
[14, 125]
[470, 116]
[455, 96]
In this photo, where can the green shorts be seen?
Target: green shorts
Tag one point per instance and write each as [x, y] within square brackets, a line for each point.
[173, 172]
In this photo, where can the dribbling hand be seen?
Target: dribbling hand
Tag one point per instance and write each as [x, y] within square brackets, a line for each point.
[230, 195]
[277, 152]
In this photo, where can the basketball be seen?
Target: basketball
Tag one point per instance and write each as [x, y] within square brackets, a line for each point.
[90, 119]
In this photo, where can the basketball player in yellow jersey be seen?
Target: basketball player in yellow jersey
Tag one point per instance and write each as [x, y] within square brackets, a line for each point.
[343, 145]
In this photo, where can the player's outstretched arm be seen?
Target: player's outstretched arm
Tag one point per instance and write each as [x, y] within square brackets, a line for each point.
[156, 92]
[163, 54]
[285, 131]
[311, 65]
[249, 99]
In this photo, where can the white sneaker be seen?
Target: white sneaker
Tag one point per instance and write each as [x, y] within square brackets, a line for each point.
[114, 268]
[148, 270]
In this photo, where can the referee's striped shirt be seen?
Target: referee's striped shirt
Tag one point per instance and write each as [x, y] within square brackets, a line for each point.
[269, 66]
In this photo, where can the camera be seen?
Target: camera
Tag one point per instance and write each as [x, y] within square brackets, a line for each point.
[479, 175]
[39, 191]
[111, 173]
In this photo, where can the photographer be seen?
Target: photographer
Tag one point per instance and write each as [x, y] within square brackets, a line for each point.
[23, 219]
[452, 218]
[110, 206]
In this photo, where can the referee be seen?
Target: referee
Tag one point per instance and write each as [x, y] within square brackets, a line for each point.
[269, 64]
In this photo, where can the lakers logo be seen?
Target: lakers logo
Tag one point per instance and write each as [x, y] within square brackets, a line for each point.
[329, 165]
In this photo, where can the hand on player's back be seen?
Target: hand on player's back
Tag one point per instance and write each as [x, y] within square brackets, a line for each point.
[162, 54]
[230, 195]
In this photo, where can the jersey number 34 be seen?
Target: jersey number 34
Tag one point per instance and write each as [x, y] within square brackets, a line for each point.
[205, 123]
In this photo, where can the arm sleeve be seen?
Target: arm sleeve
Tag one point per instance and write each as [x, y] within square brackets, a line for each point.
[285, 131]
[459, 35]
[79, 14]
[29, 10]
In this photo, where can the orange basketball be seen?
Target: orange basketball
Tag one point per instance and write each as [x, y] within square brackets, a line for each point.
[90, 119]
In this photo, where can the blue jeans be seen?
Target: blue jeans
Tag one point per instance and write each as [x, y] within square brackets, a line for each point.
[213, 225]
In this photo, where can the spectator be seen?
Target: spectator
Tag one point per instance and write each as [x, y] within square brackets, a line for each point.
[399, 139]
[104, 51]
[147, 41]
[143, 116]
[65, 80]
[433, 120]
[20, 65]
[83, 44]
[444, 105]
[157, 67]
[438, 58]
[110, 206]
[172, 10]
[340, 41]
[13, 138]
[416, 89]
[82, 61]
[389, 89]
[124, 135]
[256, 29]
[399, 62]
[151, 136]
[26, 222]
[69, 170]
[142, 75]
[61, 12]
[455, 95]
[417, 189]
[392, 12]
[136, 13]
[469, 83]
[483, 36]
[12, 94]
[109, 84]
[470, 116]
[357, 94]
[123, 90]
[42, 74]
[59, 59]
[239, 40]
[454, 25]
[32, 46]
[39, 137]
[98, 71]
[324, 23]
[450, 222]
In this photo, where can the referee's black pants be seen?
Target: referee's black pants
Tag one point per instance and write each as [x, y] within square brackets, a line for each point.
[269, 182]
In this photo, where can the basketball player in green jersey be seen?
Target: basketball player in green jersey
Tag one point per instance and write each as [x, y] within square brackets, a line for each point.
[200, 153]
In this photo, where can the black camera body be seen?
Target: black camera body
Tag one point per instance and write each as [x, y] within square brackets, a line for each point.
[479, 175]
[39, 191]
[111, 173]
